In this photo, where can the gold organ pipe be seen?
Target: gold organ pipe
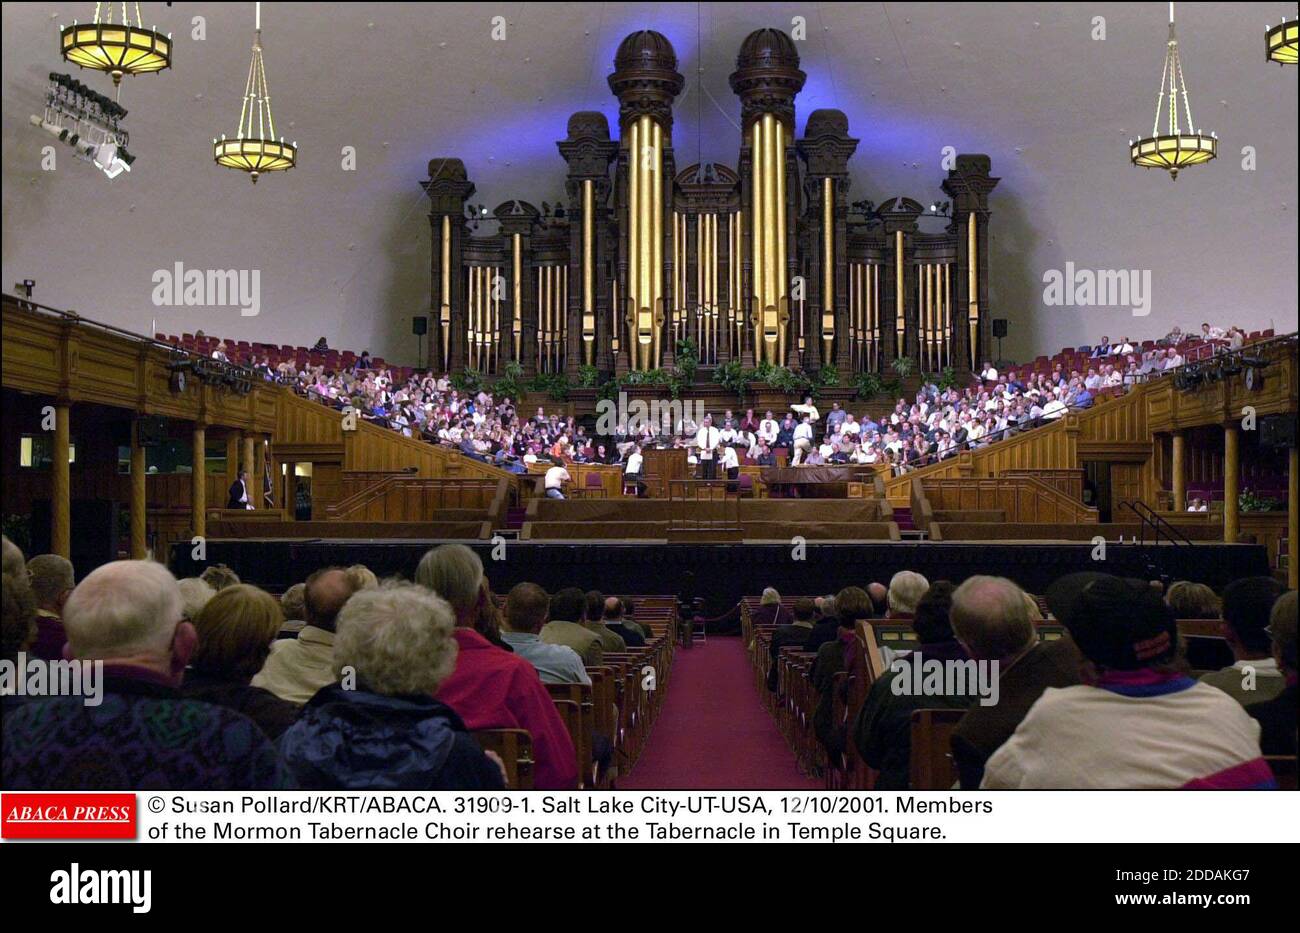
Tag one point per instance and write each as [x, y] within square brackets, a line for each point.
[496, 320]
[656, 271]
[635, 159]
[780, 273]
[899, 319]
[770, 307]
[875, 309]
[713, 287]
[828, 268]
[972, 283]
[757, 284]
[444, 314]
[474, 343]
[618, 326]
[517, 323]
[588, 271]
[947, 314]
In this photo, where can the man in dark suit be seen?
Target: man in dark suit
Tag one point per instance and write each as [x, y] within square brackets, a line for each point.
[613, 620]
[239, 497]
[794, 635]
[991, 619]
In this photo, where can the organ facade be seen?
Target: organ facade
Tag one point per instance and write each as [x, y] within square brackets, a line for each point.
[768, 261]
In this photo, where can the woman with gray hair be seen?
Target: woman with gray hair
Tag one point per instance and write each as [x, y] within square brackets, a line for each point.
[378, 727]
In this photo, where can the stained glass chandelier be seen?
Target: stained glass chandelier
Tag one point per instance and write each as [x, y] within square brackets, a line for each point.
[1178, 146]
[118, 48]
[255, 148]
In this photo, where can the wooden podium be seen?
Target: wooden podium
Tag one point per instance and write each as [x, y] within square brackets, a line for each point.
[662, 466]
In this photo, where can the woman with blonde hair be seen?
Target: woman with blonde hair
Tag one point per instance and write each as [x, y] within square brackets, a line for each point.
[235, 629]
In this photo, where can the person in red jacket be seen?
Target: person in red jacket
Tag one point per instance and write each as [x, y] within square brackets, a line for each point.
[492, 688]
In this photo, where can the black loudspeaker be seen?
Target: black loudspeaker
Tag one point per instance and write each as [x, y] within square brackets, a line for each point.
[151, 431]
[999, 327]
[420, 325]
[1277, 432]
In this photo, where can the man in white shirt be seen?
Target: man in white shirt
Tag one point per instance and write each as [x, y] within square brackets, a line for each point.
[807, 408]
[989, 374]
[803, 435]
[768, 429]
[730, 465]
[556, 477]
[706, 444]
[632, 470]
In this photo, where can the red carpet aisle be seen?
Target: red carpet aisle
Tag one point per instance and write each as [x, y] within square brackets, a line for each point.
[713, 732]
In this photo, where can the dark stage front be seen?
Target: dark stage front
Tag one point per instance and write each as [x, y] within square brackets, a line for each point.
[726, 572]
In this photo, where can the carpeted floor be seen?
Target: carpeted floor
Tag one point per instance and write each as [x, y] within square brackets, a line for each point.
[713, 732]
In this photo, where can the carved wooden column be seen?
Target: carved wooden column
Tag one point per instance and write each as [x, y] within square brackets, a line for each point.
[969, 184]
[826, 149]
[589, 152]
[139, 496]
[448, 188]
[61, 484]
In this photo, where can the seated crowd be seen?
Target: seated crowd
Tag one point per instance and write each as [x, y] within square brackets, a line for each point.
[345, 681]
[1116, 703]
[936, 424]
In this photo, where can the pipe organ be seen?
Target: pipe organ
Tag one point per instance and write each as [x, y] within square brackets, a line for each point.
[765, 262]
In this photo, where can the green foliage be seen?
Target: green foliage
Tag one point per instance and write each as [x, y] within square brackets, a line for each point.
[556, 385]
[867, 385]
[510, 385]
[828, 377]
[731, 376]
[1247, 501]
[947, 379]
[588, 376]
[903, 367]
[467, 381]
[688, 361]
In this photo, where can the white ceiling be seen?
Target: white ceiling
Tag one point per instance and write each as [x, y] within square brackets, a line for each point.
[346, 253]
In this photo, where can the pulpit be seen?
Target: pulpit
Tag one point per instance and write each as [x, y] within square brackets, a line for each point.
[662, 466]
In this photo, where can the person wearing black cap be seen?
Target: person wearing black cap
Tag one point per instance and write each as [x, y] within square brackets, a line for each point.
[1255, 677]
[1136, 720]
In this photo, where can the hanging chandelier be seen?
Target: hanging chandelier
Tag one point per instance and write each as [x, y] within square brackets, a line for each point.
[255, 148]
[1174, 149]
[119, 48]
[1280, 42]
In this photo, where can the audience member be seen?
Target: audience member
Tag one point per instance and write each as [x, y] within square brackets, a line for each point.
[994, 621]
[52, 583]
[906, 588]
[235, 630]
[219, 576]
[527, 609]
[386, 731]
[490, 688]
[882, 732]
[293, 605]
[566, 612]
[1277, 717]
[1135, 720]
[1254, 677]
[297, 667]
[143, 735]
[195, 594]
[612, 619]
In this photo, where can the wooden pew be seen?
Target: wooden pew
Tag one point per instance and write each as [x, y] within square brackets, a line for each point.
[515, 748]
[931, 765]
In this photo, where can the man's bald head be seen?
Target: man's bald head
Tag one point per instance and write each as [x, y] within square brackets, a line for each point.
[613, 608]
[990, 617]
[328, 590]
[879, 594]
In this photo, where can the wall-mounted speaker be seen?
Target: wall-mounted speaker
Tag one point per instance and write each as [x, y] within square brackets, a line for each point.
[420, 325]
[999, 327]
